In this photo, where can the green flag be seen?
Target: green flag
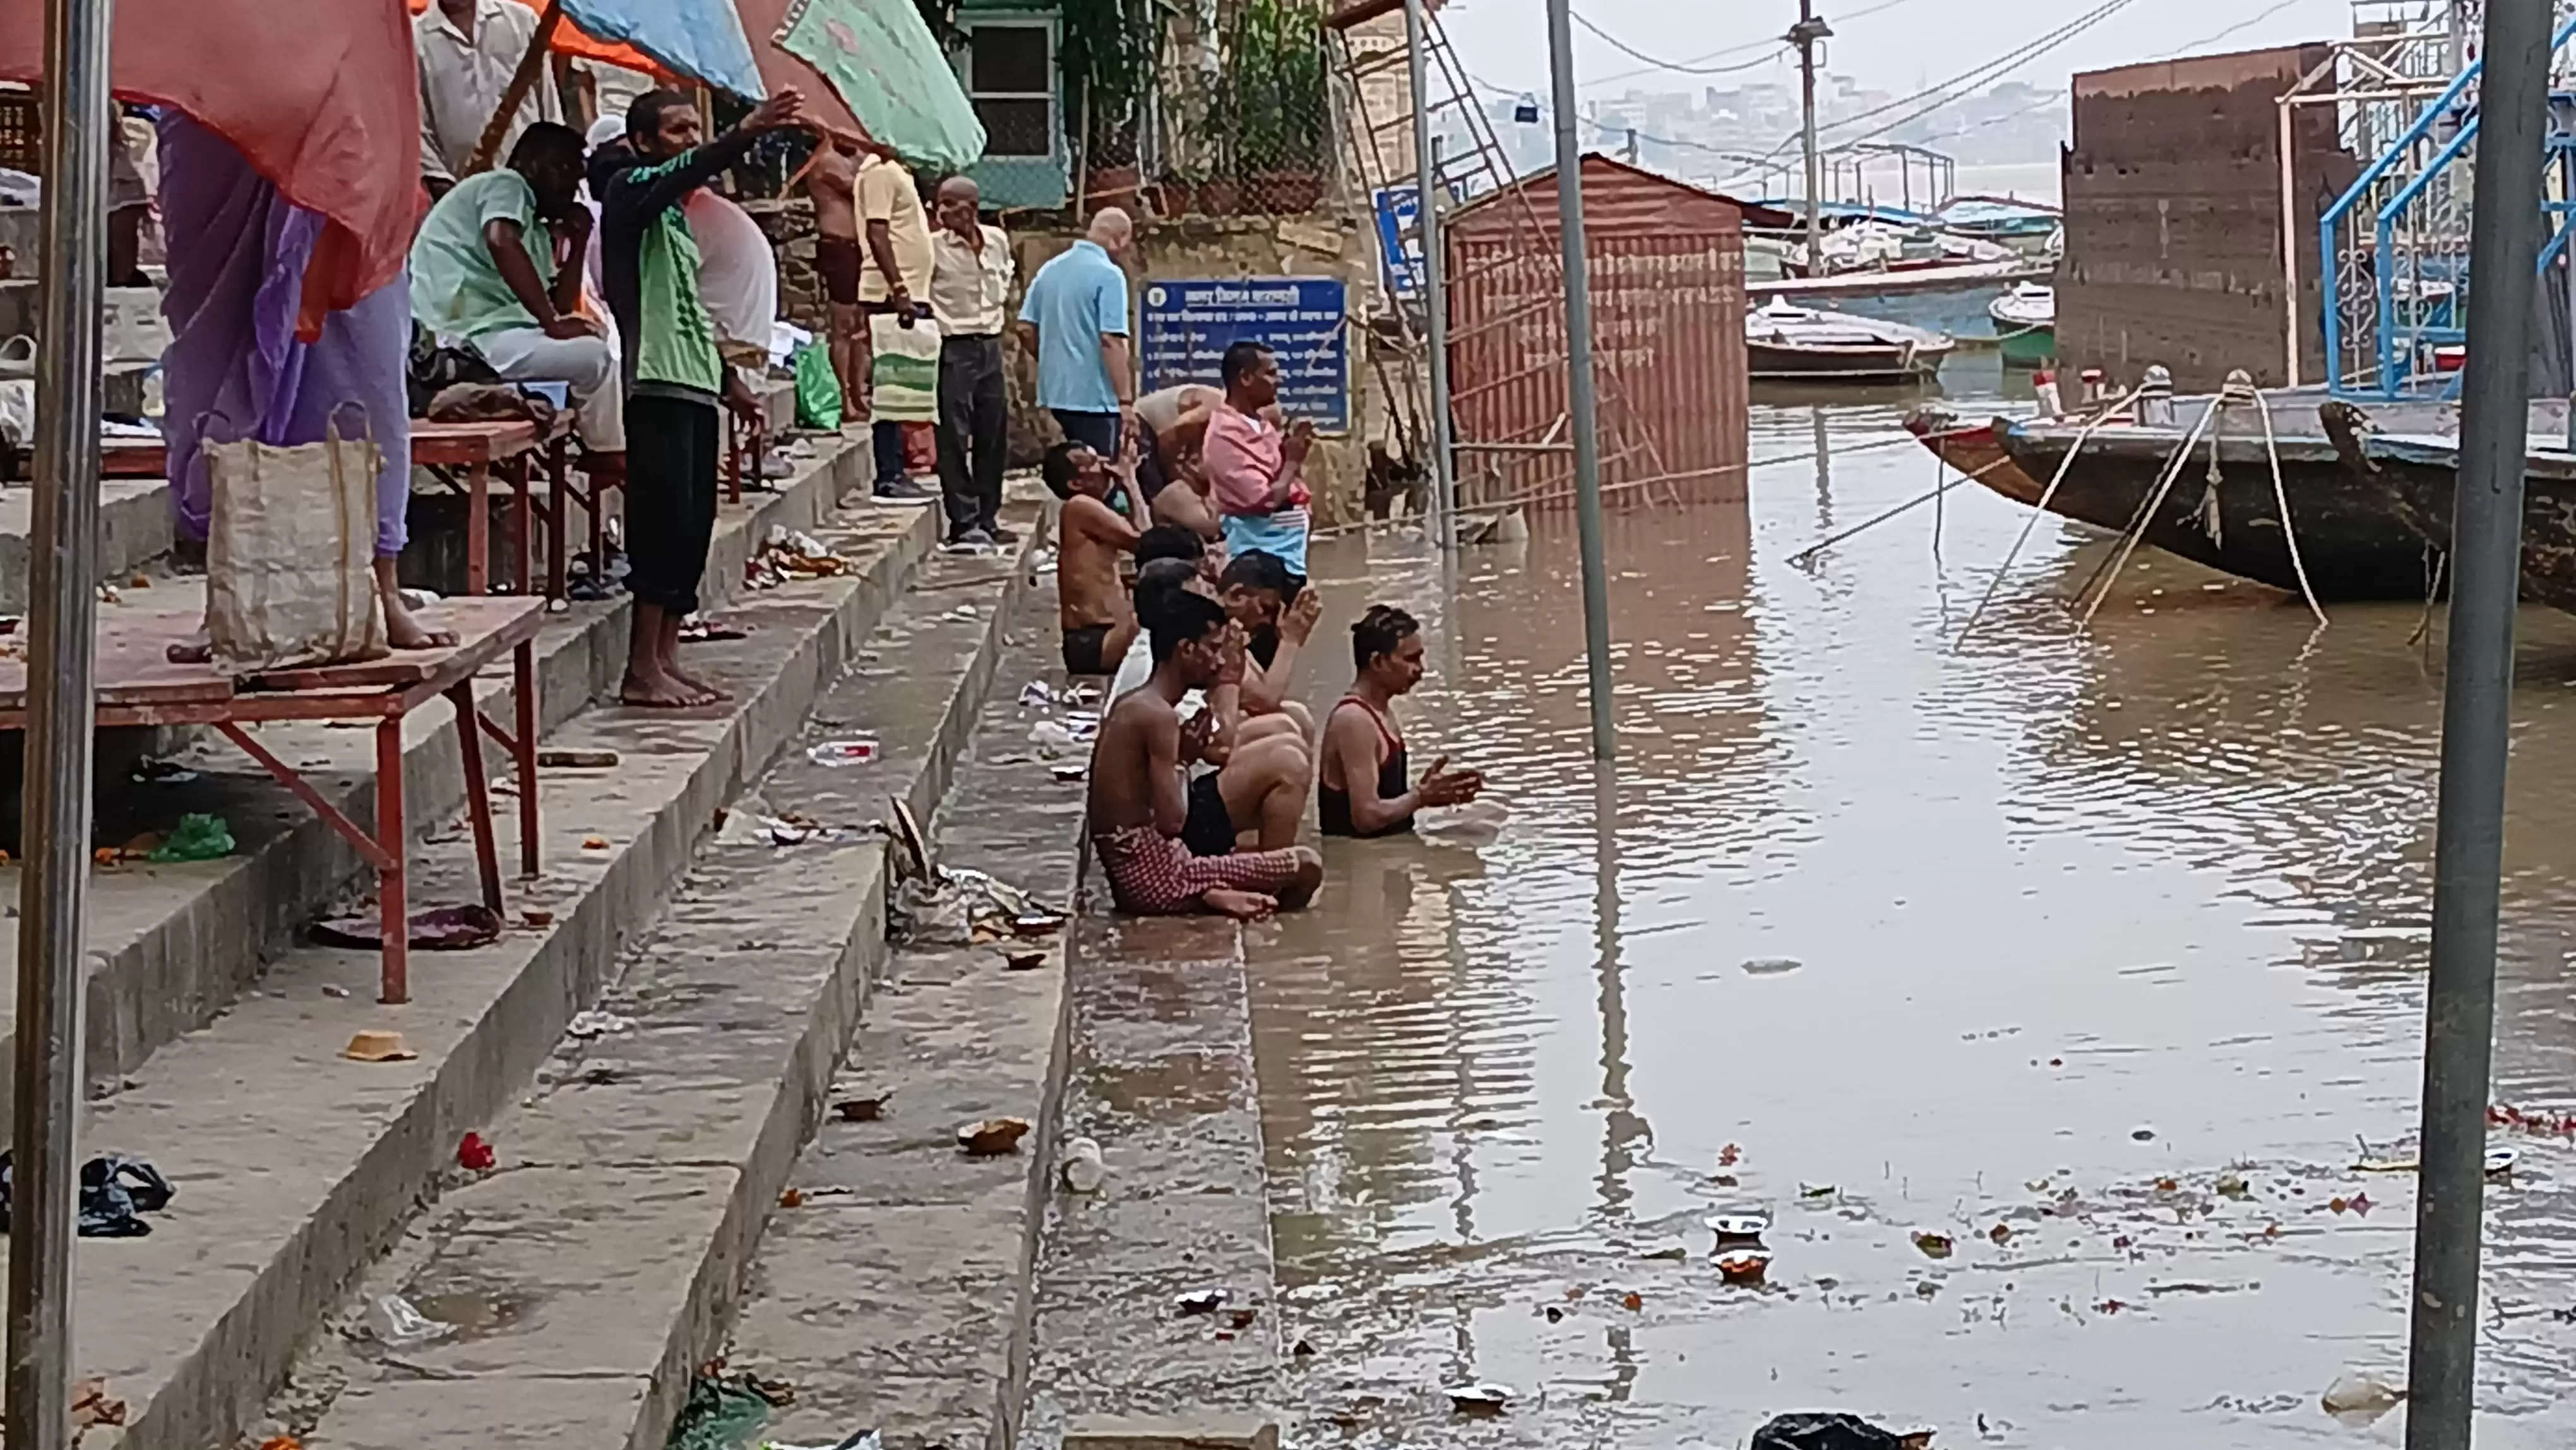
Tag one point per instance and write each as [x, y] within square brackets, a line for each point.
[880, 56]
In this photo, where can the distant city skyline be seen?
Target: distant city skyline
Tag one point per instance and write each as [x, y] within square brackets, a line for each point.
[1899, 46]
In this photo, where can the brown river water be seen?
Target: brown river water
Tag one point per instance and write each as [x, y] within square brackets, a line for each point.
[2108, 961]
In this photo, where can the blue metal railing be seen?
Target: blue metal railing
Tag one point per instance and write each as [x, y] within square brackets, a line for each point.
[2394, 369]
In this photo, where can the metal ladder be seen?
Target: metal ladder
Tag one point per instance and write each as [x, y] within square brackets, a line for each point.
[1496, 470]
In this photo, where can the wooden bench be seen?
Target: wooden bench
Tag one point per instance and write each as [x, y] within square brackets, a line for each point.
[139, 684]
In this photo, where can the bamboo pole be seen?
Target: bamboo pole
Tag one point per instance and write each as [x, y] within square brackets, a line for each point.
[532, 66]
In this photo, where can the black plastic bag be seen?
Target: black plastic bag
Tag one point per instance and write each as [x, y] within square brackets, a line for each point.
[1833, 1430]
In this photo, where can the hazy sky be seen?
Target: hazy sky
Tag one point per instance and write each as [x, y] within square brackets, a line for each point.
[1901, 47]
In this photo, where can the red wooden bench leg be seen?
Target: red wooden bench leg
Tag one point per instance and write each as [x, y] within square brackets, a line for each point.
[478, 529]
[558, 518]
[478, 791]
[394, 903]
[523, 668]
[522, 521]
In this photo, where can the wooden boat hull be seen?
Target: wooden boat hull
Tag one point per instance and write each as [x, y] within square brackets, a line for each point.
[1894, 363]
[1973, 449]
[2351, 537]
[2031, 347]
[2420, 477]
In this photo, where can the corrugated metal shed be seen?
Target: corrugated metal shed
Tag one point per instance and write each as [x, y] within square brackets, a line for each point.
[1666, 265]
[2173, 218]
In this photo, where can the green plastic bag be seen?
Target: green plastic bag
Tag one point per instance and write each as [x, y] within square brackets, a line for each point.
[197, 838]
[818, 389]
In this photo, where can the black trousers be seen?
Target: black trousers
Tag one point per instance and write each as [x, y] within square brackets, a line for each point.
[671, 449]
[974, 432]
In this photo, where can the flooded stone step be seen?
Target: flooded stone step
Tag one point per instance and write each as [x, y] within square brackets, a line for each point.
[599, 1264]
[172, 946]
[1157, 1296]
[895, 1294]
[297, 1167]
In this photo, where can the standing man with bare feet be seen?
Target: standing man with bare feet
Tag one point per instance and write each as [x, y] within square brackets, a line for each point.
[832, 181]
[675, 377]
[1139, 804]
[1091, 605]
[1365, 790]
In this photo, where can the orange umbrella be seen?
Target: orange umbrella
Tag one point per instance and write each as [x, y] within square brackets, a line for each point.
[570, 41]
[330, 114]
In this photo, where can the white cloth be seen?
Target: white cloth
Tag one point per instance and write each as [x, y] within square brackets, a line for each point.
[588, 365]
[1135, 668]
[737, 272]
[462, 82]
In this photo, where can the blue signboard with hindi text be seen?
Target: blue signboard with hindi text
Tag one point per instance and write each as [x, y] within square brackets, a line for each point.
[1186, 326]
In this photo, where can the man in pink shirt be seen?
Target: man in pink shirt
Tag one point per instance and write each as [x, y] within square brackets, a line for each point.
[1252, 466]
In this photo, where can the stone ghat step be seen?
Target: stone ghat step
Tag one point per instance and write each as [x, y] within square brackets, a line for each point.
[297, 1167]
[599, 1264]
[896, 1294]
[172, 946]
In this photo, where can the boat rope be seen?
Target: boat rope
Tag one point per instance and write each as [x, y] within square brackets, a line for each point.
[1801, 558]
[2237, 391]
[2281, 500]
[2137, 529]
[2435, 561]
[2104, 412]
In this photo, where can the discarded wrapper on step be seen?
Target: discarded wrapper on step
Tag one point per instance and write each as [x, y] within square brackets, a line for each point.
[377, 1045]
[392, 1322]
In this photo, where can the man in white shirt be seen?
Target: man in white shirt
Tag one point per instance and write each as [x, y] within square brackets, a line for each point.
[468, 50]
[970, 286]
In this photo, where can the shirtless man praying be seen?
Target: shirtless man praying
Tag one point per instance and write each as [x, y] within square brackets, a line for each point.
[1138, 804]
[1091, 605]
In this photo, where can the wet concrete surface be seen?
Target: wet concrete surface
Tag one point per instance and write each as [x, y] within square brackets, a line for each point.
[2108, 952]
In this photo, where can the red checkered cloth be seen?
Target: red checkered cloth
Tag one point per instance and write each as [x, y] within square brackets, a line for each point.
[1152, 874]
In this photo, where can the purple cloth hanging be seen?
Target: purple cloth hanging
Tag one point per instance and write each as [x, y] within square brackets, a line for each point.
[234, 369]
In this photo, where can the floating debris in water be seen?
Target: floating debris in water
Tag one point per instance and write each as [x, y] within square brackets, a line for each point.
[992, 1137]
[1771, 966]
[1480, 1399]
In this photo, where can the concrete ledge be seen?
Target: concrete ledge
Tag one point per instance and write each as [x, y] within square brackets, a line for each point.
[295, 1167]
[1162, 1078]
[172, 946]
[638, 1177]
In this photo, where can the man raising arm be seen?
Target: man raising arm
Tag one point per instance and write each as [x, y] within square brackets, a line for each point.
[675, 375]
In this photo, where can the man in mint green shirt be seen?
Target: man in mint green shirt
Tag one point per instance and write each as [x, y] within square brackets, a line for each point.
[485, 275]
[674, 375]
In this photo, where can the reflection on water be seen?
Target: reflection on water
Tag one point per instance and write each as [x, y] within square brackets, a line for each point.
[2108, 954]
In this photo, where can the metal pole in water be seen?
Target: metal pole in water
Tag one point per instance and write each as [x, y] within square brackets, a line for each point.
[1428, 190]
[2468, 832]
[55, 821]
[1578, 377]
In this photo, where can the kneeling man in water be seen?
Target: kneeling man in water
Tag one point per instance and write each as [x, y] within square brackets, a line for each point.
[1139, 802]
[1363, 790]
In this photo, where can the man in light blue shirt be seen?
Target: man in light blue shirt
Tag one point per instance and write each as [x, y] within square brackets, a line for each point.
[1075, 318]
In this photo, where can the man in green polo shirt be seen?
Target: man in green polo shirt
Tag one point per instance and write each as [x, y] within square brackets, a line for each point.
[674, 375]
